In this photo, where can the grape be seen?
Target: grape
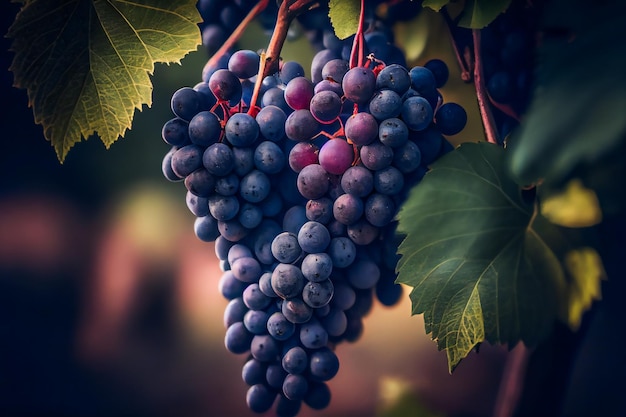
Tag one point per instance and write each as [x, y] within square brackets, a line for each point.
[313, 181]
[287, 280]
[450, 118]
[264, 347]
[317, 294]
[407, 158]
[254, 186]
[295, 387]
[269, 158]
[200, 183]
[218, 159]
[389, 181]
[393, 132]
[260, 398]
[302, 154]
[204, 128]
[296, 310]
[244, 63]
[359, 84]
[247, 269]
[325, 106]
[279, 327]
[255, 321]
[230, 287]
[237, 339]
[285, 247]
[348, 209]
[320, 210]
[290, 70]
[253, 372]
[318, 396]
[335, 70]
[225, 85]
[313, 335]
[394, 77]
[295, 360]
[175, 132]
[166, 166]
[317, 267]
[336, 156]
[185, 103]
[323, 364]
[186, 160]
[417, 113]
[275, 96]
[422, 79]
[313, 237]
[254, 298]
[206, 228]
[320, 59]
[440, 71]
[376, 156]
[385, 104]
[361, 128]
[301, 125]
[271, 120]
[241, 130]
[298, 93]
[199, 206]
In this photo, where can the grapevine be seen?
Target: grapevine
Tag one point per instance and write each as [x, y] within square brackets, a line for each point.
[328, 187]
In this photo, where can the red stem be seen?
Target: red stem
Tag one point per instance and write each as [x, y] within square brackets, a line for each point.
[463, 59]
[481, 92]
[358, 46]
[234, 37]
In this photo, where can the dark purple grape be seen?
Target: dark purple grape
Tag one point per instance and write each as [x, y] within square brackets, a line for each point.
[359, 84]
[336, 156]
[361, 128]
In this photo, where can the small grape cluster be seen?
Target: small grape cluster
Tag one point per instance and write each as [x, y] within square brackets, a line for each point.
[300, 195]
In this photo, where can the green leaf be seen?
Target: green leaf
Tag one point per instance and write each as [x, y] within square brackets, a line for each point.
[436, 5]
[479, 13]
[475, 254]
[86, 63]
[476, 14]
[344, 16]
[577, 112]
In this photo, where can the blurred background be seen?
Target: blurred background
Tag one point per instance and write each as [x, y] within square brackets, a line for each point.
[109, 303]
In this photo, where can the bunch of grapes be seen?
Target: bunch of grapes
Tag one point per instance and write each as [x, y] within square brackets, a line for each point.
[298, 184]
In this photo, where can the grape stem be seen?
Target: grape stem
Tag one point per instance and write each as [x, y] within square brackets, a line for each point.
[481, 92]
[287, 11]
[463, 59]
[234, 37]
[358, 46]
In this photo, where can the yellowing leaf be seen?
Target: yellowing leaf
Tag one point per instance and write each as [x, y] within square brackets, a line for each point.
[86, 63]
[344, 16]
[576, 206]
[585, 272]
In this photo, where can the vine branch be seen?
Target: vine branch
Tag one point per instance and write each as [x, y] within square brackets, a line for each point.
[481, 92]
[234, 37]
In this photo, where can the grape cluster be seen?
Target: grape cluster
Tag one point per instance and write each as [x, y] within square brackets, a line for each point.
[299, 191]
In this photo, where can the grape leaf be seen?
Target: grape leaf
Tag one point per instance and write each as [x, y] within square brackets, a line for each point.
[86, 63]
[483, 263]
[574, 206]
[344, 16]
[436, 5]
[476, 14]
[577, 112]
